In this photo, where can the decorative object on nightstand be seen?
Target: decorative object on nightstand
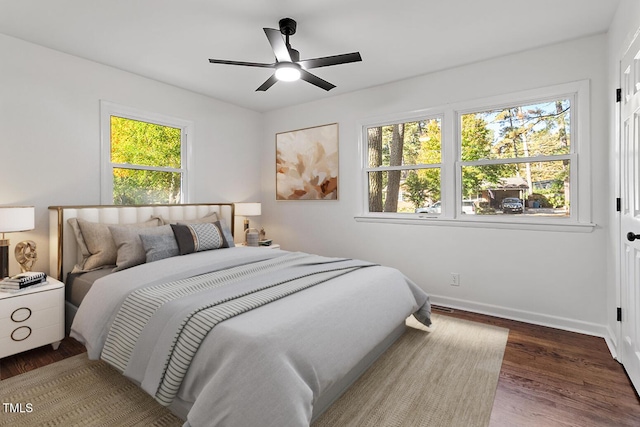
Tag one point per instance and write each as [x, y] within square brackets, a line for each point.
[263, 238]
[26, 255]
[251, 235]
[13, 219]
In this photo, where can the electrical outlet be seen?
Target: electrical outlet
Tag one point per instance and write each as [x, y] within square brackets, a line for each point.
[455, 279]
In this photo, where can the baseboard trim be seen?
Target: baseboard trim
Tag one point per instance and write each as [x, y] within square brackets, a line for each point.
[540, 319]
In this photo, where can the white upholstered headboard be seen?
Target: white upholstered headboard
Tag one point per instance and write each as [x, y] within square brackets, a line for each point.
[63, 250]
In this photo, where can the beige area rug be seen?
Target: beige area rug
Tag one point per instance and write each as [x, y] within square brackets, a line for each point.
[445, 375]
[80, 392]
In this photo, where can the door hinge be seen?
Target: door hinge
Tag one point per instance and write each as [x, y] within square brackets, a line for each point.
[618, 204]
[618, 94]
[619, 315]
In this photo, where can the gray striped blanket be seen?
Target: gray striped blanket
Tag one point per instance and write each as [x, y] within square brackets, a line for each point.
[219, 295]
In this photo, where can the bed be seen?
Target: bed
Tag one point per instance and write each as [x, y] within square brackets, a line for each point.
[235, 336]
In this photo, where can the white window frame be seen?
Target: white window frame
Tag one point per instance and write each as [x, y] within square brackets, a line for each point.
[108, 109]
[451, 172]
[415, 116]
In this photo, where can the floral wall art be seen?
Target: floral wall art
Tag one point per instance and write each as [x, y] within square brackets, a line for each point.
[307, 164]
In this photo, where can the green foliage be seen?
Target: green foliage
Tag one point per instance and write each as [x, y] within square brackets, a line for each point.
[139, 143]
[477, 141]
[422, 185]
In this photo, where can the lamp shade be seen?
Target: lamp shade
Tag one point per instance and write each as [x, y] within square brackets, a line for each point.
[16, 218]
[248, 209]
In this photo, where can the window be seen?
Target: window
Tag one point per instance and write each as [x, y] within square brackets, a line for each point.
[517, 159]
[505, 160]
[144, 157]
[404, 162]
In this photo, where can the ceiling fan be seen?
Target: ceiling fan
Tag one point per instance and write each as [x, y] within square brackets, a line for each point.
[288, 66]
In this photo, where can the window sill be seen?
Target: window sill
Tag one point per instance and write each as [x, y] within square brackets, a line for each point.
[549, 225]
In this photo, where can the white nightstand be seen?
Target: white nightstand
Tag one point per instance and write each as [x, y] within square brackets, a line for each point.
[32, 318]
[271, 246]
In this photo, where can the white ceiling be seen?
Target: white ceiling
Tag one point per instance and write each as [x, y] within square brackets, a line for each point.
[171, 40]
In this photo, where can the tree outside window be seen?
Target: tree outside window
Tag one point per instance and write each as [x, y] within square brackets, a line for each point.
[144, 157]
[520, 152]
[146, 160]
[403, 170]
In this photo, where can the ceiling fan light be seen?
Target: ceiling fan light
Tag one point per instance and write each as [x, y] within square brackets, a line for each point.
[287, 72]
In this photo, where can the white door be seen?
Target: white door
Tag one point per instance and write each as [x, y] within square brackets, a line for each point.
[630, 212]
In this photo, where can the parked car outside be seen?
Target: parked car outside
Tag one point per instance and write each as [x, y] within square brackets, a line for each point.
[434, 208]
[468, 207]
[511, 205]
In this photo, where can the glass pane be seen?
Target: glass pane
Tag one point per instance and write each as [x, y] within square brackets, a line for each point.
[404, 191]
[142, 187]
[147, 144]
[542, 129]
[409, 143]
[534, 189]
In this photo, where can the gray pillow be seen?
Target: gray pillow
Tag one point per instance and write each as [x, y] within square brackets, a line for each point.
[159, 246]
[131, 252]
[99, 243]
[82, 247]
[226, 233]
[210, 217]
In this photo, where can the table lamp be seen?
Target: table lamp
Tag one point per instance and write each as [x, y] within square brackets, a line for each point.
[12, 219]
[246, 210]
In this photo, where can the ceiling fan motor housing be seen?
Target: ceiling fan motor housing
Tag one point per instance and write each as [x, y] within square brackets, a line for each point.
[288, 26]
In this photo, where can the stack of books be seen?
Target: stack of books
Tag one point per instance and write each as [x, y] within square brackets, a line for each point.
[22, 281]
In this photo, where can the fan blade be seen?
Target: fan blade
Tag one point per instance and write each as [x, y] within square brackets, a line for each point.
[278, 45]
[247, 64]
[315, 80]
[267, 84]
[330, 60]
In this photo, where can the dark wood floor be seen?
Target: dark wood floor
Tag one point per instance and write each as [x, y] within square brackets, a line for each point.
[551, 377]
[548, 378]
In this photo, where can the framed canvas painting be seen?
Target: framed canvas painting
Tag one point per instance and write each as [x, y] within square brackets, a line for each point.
[307, 164]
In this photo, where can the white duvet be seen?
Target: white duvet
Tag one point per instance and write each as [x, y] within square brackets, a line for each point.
[268, 366]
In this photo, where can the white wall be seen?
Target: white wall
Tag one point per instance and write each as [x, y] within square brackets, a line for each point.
[50, 136]
[623, 28]
[555, 278]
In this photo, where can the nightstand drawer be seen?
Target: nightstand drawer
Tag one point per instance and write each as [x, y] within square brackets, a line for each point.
[34, 301]
[30, 339]
[35, 320]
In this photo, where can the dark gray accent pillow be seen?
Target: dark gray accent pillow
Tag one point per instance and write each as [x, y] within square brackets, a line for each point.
[197, 237]
[159, 246]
